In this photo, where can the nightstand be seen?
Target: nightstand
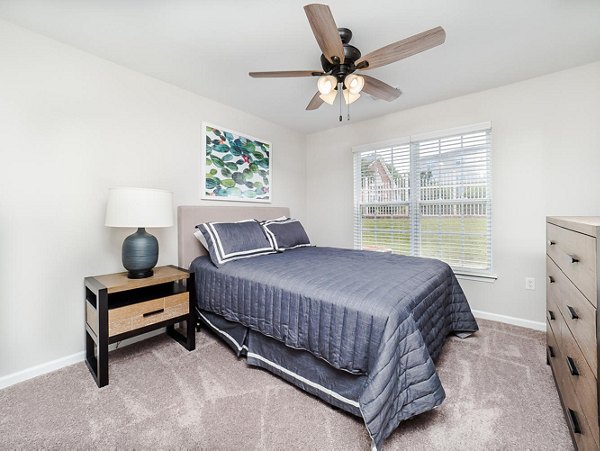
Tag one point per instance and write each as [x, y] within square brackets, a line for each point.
[117, 308]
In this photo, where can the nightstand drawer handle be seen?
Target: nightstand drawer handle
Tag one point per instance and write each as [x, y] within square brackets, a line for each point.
[551, 243]
[550, 279]
[572, 368]
[573, 313]
[551, 315]
[574, 423]
[574, 259]
[155, 312]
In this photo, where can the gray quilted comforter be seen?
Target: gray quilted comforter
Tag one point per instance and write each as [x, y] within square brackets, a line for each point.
[381, 315]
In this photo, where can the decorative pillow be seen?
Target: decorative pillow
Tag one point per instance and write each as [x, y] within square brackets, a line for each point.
[200, 237]
[286, 234]
[229, 241]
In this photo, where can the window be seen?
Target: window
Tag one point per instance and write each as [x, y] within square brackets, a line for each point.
[428, 196]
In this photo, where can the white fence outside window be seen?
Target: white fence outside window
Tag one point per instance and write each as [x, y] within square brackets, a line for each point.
[428, 197]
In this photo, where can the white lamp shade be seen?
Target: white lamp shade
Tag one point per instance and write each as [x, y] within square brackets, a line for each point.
[329, 98]
[349, 97]
[354, 83]
[326, 84]
[139, 207]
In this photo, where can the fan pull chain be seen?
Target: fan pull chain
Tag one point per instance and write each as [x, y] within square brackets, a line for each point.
[348, 112]
[340, 95]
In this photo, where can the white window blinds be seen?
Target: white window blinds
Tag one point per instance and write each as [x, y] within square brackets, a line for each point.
[428, 196]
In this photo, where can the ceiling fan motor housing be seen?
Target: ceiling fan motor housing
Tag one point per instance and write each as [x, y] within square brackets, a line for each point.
[351, 54]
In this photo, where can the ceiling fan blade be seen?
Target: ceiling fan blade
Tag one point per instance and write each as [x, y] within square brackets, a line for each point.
[403, 49]
[286, 73]
[315, 102]
[325, 31]
[379, 89]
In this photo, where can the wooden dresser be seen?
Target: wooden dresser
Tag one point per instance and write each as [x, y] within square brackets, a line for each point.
[572, 266]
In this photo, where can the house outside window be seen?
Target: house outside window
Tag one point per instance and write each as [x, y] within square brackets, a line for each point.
[428, 196]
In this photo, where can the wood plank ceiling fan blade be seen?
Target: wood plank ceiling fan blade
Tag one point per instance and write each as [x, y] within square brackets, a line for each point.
[403, 48]
[325, 31]
[315, 102]
[379, 89]
[286, 73]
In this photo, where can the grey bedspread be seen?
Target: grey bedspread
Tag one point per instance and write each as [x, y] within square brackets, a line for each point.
[376, 314]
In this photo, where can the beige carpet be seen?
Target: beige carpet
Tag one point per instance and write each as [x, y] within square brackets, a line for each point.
[500, 395]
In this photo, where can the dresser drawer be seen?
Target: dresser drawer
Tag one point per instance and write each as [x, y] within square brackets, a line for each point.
[552, 292]
[552, 350]
[575, 254]
[578, 314]
[576, 419]
[578, 373]
[135, 316]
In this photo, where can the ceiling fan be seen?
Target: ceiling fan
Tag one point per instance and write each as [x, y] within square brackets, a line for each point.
[340, 60]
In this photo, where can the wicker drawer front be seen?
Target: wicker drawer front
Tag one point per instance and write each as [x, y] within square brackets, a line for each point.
[91, 317]
[575, 254]
[135, 316]
[581, 378]
[578, 314]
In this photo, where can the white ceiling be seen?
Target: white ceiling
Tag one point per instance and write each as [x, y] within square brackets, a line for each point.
[209, 46]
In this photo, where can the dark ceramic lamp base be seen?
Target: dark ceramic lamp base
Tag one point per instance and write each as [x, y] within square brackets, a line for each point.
[140, 254]
[140, 274]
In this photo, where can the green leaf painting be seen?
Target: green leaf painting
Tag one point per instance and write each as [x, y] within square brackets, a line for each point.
[243, 162]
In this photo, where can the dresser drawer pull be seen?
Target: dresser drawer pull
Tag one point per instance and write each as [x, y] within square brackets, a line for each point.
[551, 243]
[573, 313]
[574, 422]
[155, 312]
[550, 279]
[551, 351]
[574, 259]
[572, 367]
[551, 315]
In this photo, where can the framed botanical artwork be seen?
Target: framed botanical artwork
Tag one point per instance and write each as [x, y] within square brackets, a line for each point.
[235, 166]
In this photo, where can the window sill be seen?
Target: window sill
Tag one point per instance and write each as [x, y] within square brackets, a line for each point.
[486, 278]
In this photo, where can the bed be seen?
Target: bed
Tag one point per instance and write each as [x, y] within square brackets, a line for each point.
[359, 329]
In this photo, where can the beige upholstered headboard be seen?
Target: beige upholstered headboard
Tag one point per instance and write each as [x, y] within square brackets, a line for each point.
[189, 216]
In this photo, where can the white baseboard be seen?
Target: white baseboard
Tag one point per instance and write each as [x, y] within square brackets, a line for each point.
[38, 370]
[510, 320]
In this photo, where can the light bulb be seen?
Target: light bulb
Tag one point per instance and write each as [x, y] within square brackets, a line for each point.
[330, 97]
[349, 97]
[326, 84]
[354, 83]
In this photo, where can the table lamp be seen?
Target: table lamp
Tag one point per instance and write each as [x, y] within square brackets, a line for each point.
[139, 208]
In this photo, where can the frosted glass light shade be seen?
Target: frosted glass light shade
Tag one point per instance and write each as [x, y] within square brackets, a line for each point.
[354, 83]
[349, 97]
[329, 98]
[326, 84]
[139, 207]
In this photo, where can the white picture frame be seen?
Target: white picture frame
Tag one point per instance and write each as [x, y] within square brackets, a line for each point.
[235, 166]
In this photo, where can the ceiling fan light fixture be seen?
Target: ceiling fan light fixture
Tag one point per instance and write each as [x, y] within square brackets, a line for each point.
[330, 97]
[326, 84]
[354, 83]
[349, 97]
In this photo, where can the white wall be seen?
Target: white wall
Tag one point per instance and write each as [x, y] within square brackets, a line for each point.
[546, 161]
[71, 126]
